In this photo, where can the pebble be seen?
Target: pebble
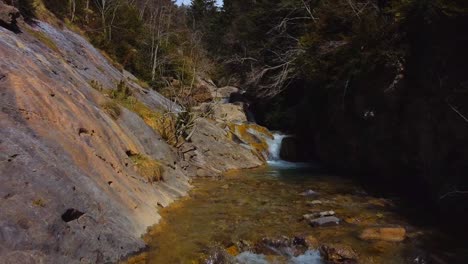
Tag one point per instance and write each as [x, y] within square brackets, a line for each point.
[314, 202]
[308, 193]
[325, 221]
[318, 215]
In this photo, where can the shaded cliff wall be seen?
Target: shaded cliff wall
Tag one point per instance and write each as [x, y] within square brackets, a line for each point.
[389, 104]
[409, 138]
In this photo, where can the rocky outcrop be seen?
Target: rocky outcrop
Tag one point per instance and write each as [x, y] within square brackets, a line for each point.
[218, 94]
[9, 17]
[227, 113]
[61, 152]
[212, 152]
[223, 94]
[71, 186]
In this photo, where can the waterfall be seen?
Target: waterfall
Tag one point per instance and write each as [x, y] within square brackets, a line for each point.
[274, 147]
[274, 150]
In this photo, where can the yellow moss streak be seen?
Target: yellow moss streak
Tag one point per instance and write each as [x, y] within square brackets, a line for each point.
[253, 135]
[151, 169]
[261, 130]
[164, 124]
[39, 203]
[138, 259]
[43, 38]
[112, 109]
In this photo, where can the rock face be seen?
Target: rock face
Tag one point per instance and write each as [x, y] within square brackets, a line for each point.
[223, 94]
[293, 149]
[69, 188]
[214, 152]
[392, 234]
[228, 113]
[61, 152]
[403, 128]
[9, 17]
[318, 215]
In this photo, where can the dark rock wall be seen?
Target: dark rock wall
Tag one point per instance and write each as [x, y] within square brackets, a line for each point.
[412, 138]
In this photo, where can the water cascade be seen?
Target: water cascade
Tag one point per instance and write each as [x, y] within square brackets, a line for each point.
[309, 257]
[274, 147]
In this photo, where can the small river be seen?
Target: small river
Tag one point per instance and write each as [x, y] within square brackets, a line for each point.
[237, 213]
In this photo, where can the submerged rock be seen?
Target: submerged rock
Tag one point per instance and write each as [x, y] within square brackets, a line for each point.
[325, 221]
[308, 193]
[232, 250]
[251, 258]
[393, 234]
[381, 202]
[281, 246]
[312, 242]
[314, 202]
[318, 215]
[219, 256]
[338, 254]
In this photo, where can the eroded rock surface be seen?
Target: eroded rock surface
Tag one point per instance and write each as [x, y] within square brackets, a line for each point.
[214, 152]
[229, 113]
[69, 190]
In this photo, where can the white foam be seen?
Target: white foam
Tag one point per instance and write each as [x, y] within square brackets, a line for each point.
[274, 146]
[251, 258]
[309, 257]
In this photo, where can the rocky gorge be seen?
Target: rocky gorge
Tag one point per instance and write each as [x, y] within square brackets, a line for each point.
[83, 176]
[126, 143]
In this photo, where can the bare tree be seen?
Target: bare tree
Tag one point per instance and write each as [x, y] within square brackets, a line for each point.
[270, 76]
[107, 10]
[72, 5]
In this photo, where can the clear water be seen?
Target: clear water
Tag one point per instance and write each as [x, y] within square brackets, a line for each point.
[266, 202]
[309, 257]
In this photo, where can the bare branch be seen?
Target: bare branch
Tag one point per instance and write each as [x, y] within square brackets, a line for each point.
[455, 192]
[458, 112]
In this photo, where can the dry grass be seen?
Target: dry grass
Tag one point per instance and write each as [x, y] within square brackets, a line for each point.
[112, 61]
[150, 169]
[96, 85]
[39, 203]
[141, 258]
[112, 108]
[163, 123]
[142, 84]
[138, 259]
